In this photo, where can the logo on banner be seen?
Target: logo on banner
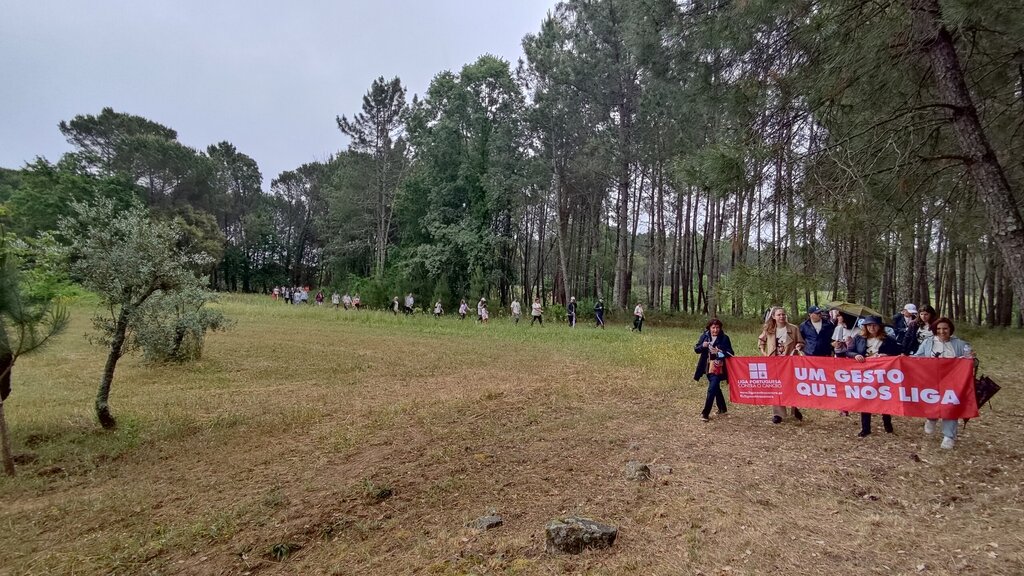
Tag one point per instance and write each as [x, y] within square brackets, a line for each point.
[758, 371]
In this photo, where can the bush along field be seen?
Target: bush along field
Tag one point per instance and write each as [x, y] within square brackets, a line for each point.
[309, 440]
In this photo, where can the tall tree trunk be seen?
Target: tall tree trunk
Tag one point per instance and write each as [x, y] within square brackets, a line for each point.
[116, 350]
[562, 290]
[1002, 211]
[676, 268]
[6, 365]
[634, 229]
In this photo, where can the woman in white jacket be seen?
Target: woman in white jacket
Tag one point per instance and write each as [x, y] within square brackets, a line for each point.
[944, 345]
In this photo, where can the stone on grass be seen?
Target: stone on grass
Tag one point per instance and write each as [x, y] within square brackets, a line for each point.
[487, 522]
[573, 535]
[637, 470]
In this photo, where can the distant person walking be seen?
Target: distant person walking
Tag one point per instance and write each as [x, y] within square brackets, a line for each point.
[394, 306]
[409, 302]
[638, 318]
[571, 312]
[463, 309]
[335, 299]
[517, 311]
[438, 309]
[599, 313]
[536, 312]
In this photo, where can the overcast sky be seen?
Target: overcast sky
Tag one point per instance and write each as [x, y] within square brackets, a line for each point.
[269, 77]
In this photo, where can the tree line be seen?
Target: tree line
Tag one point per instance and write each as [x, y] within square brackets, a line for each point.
[702, 157]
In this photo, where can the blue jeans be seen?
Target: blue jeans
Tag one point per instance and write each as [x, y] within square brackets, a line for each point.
[714, 395]
[948, 427]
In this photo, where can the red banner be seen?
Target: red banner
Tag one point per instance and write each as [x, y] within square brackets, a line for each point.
[897, 385]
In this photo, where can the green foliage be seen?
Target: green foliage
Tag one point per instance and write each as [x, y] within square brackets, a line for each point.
[478, 286]
[47, 191]
[468, 138]
[31, 309]
[127, 258]
[172, 327]
[556, 312]
[443, 293]
[760, 288]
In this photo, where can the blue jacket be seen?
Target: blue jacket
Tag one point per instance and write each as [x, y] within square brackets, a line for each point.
[817, 343]
[860, 347]
[722, 344]
[960, 348]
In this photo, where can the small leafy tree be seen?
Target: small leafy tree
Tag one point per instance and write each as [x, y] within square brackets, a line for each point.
[131, 261]
[173, 325]
[30, 314]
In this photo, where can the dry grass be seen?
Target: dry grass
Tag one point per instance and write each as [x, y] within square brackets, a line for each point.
[312, 442]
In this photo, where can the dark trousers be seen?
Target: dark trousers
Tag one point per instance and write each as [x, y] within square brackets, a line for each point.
[536, 319]
[572, 320]
[715, 395]
[638, 323]
[599, 316]
[865, 422]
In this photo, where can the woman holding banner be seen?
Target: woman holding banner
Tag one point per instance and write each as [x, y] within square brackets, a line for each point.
[944, 345]
[780, 338]
[871, 342]
[714, 347]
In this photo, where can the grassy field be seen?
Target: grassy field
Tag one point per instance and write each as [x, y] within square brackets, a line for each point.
[311, 441]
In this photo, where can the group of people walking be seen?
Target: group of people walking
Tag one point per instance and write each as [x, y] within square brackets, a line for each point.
[913, 332]
[300, 295]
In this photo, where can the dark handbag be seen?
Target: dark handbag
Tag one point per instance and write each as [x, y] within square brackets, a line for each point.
[984, 390]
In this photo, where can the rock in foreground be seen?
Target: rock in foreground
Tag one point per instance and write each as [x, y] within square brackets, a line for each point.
[573, 535]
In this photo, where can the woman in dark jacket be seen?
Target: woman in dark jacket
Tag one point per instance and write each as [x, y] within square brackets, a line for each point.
[713, 346]
[873, 341]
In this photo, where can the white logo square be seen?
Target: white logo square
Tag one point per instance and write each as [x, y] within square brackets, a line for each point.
[758, 371]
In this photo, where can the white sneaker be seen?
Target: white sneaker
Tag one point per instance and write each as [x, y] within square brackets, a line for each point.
[948, 443]
[929, 427]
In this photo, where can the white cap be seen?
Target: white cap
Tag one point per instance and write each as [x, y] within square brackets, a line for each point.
[910, 308]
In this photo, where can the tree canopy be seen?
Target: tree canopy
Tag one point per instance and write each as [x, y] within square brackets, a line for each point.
[698, 157]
